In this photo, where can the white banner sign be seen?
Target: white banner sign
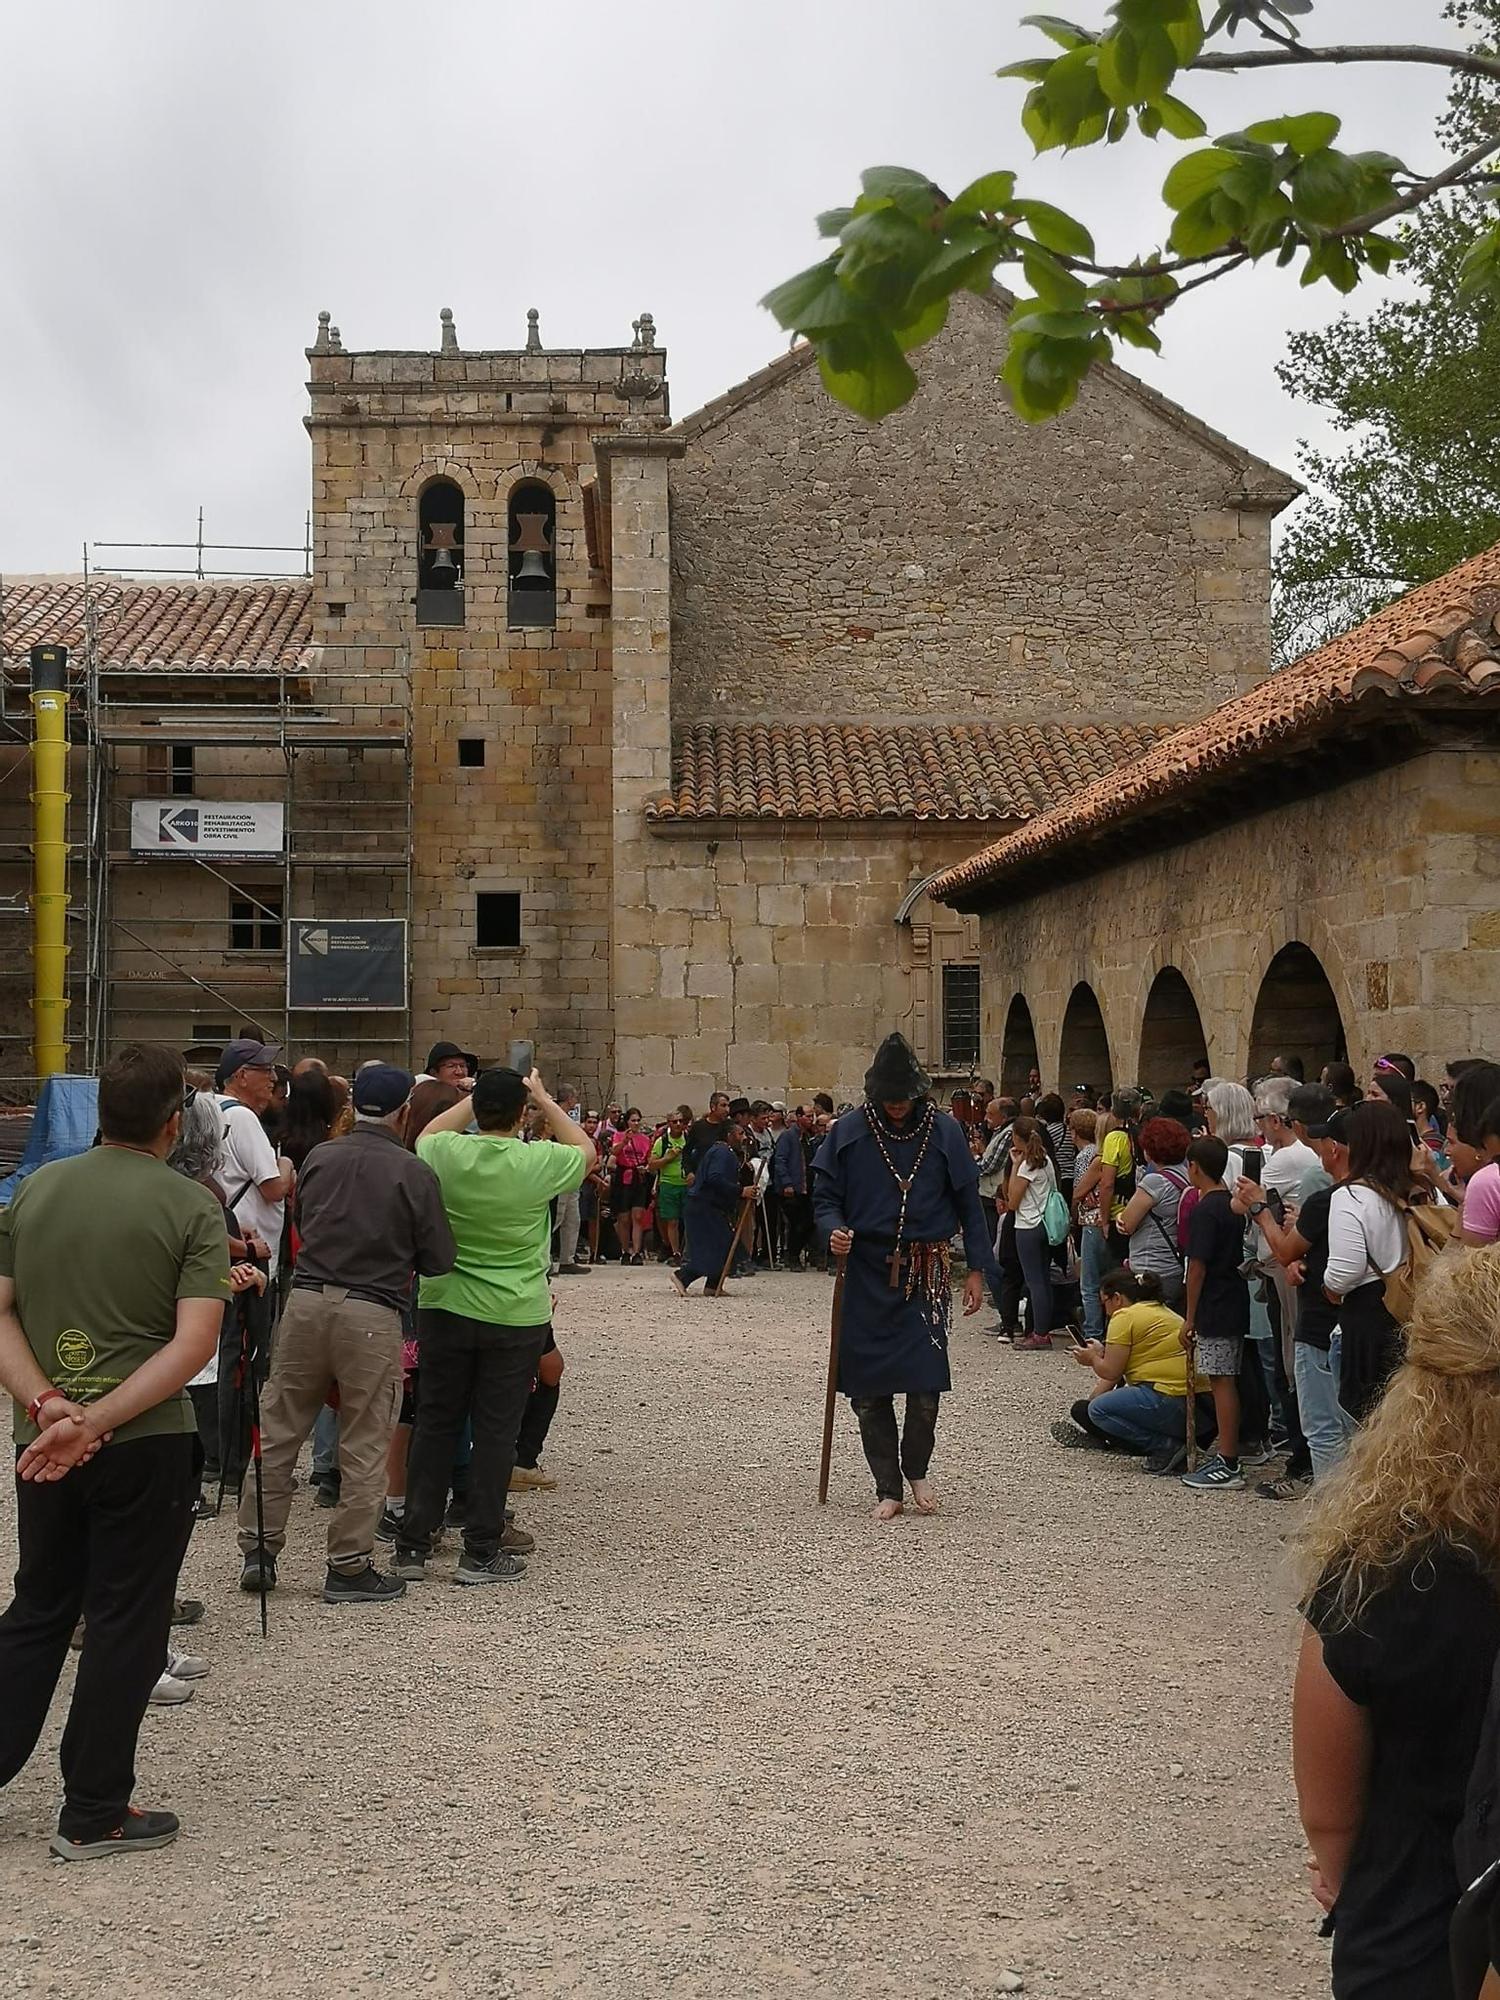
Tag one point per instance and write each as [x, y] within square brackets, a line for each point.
[205, 826]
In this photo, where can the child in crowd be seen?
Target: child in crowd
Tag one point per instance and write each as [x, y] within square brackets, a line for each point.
[1218, 1309]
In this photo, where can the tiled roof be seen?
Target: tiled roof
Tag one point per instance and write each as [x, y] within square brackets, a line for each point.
[172, 628]
[1436, 647]
[763, 770]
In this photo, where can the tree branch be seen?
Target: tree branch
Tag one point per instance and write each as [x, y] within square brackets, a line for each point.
[1414, 197]
[1300, 55]
[1105, 308]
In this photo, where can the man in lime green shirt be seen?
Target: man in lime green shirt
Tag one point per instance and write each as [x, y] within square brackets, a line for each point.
[481, 1327]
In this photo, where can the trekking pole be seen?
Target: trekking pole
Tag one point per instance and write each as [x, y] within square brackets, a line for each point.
[260, 1501]
[1192, 1405]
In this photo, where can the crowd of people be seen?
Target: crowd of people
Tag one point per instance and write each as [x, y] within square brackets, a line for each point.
[1280, 1269]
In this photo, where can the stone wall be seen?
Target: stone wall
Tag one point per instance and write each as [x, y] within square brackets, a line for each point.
[956, 561]
[1392, 882]
[773, 961]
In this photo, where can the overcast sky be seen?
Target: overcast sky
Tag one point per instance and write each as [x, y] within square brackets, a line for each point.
[185, 184]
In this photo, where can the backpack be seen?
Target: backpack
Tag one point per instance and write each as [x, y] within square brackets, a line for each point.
[1429, 1231]
[1055, 1219]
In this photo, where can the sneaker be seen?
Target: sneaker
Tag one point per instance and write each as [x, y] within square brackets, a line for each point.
[572, 1270]
[1033, 1343]
[170, 1692]
[517, 1541]
[136, 1832]
[326, 1493]
[361, 1586]
[388, 1527]
[1070, 1436]
[258, 1568]
[410, 1566]
[1258, 1454]
[1290, 1486]
[523, 1478]
[205, 1507]
[186, 1610]
[187, 1666]
[1215, 1475]
[1171, 1458]
[501, 1567]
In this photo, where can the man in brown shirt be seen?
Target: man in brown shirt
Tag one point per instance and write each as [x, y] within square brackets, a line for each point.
[369, 1214]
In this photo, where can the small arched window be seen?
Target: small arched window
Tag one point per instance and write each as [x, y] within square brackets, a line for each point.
[440, 554]
[532, 520]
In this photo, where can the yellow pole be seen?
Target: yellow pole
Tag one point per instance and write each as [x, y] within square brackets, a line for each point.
[49, 858]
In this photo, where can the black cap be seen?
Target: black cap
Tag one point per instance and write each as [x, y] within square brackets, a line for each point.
[495, 1090]
[380, 1088]
[895, 1076]
[1334, 1127]
[243, 1054]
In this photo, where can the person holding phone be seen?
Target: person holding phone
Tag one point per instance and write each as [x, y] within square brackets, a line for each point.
[1141, 1369]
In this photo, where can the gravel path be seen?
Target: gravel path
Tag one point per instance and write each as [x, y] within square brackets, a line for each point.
[718, 1741]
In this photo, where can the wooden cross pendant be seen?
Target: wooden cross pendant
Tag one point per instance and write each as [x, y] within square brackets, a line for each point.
[895, 1268]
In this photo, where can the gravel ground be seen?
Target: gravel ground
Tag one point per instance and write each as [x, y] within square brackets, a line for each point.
[719, 1741]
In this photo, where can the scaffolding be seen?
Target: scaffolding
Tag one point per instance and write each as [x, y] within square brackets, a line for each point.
[190, 948]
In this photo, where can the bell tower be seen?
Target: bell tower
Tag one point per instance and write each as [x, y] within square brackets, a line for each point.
[460, 534]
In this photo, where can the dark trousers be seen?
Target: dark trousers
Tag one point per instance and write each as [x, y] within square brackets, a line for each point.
[107, 1541]
[797, 1228]
[205, 1402]
[1012, 1279]
[471, 1370]
[248, 1324]
[541, 1408]
[888, 1455]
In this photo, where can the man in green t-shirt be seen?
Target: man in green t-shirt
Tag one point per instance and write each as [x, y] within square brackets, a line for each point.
[671, 1190]
[113, 1276]
[481, 1327]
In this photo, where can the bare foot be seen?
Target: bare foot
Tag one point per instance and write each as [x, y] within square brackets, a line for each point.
[922, 1497]
[888, 1510]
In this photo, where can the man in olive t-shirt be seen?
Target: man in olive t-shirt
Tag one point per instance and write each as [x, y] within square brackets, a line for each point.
[113, 1276]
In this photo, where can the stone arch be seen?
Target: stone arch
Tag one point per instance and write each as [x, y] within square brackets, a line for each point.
[461, 473]
[1083, 1050]
[1172, 1037]
[1296, 1013]
[1018, 1049]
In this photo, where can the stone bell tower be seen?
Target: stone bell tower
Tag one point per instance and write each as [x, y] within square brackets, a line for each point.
[459, 525]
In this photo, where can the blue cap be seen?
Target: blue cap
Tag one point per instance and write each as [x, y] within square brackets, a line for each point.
[381, 1089]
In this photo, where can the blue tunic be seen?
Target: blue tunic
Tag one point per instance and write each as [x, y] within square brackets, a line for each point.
[889, 1344]
[711, 1210]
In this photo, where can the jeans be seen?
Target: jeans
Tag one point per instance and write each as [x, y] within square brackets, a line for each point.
[1035, 1253]
[1012, 1282]
[1141, 1419]
[325, 1437]
[475, 1369]
[1326, 1423]
[888, 1456]
[107, 1540]
[1094, 1261]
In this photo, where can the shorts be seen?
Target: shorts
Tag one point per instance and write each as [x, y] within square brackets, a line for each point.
[669, 1200]
[1220, 1354]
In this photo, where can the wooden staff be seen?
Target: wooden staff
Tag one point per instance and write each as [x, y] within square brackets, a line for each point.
[830, 1400]
[746, 1208]
[1192, 1405]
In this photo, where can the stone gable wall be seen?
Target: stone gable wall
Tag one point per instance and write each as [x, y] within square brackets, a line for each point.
[956, 561]
[1392, 881]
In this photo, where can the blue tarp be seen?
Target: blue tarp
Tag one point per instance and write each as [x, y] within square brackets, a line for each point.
[67, 1117]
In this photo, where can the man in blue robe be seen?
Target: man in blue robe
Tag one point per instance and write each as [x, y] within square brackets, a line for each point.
[711, 1211]
[893, 1182]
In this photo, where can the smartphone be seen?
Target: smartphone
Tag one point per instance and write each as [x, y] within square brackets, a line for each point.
[1252, 1160]
[1080, 1339]
[523, 1057]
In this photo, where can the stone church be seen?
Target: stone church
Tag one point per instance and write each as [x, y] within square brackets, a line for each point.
[656, 733]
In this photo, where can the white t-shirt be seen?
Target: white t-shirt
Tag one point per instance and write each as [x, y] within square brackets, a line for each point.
[1040, 1182]
[247, 1156]
[1284, 1167]
[1366, 1238]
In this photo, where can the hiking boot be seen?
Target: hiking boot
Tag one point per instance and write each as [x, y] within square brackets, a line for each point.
[1215, 1475]
[136, 1832]
[1290, 1486]
[517, 1541]
[187, 1666]
[205, 1508]
[361, 1586]
[388, 1527]
[410, 1565]
[501, 1567]
[258, 1574]
[169, 1692]
[523, 1478]
[186, 1610]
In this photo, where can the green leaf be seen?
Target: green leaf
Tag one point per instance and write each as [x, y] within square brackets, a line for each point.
[1180, 119]
[833, 220]
[930, 320]
[1067, 34]
[966, 262]
[1053, 283]
[1156, 62]
[1327, 188]
[1054, 228]
[812, 301]
[1203, 227]
[1118, 73]
[1054, 325]
[1196, 175]
[986, 196]
[1073, 92]
[881, 381]
[1306, 132]
[1186, 33]
[1038, 123]
[1384, 164]
[1479, 273]
[1033, 70]
[913, 193]
[1043, 377]
[1136, 329]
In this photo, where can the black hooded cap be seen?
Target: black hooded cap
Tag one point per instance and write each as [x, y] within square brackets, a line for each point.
[895, 1075]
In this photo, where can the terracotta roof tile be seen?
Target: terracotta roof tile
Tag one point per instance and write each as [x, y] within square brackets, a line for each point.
[178, 628]
[766, 770]
[1438, 645]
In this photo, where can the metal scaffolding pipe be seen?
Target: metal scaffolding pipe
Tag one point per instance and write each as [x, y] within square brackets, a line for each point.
[49, 858]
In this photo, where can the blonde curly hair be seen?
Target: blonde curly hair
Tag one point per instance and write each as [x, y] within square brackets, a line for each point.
[1426, 1467]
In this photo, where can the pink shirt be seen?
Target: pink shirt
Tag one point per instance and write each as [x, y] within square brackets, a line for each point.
[1482, 1204]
